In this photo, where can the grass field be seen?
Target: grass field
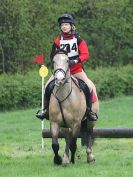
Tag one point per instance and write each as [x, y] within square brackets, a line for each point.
[21, 154]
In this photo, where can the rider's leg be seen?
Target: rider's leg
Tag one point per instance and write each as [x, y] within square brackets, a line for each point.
[95, 105]
[44, 114]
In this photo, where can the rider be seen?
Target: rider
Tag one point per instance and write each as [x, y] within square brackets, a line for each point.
[78, 52]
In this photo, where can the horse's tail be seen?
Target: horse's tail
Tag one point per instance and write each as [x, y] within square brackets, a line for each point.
[85, 133]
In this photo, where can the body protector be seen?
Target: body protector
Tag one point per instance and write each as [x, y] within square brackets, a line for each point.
[70, 46]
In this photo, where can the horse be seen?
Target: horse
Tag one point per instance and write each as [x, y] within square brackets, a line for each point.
[67, 108]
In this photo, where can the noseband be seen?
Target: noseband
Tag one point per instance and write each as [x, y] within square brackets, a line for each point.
[60, 76]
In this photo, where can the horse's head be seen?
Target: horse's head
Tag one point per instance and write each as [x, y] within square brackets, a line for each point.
[61, 67]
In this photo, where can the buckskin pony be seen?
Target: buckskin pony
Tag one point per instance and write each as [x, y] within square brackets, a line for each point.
[67, 108]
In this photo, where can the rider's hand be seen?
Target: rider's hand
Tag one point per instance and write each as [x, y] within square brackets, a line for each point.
[73, 62]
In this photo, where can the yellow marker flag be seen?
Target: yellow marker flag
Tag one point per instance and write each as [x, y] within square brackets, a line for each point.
[43, 71]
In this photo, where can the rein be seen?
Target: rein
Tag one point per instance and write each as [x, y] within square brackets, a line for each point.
[64, 120]
[55, 95]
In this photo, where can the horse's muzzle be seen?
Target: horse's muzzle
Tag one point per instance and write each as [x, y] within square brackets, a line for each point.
[59, 77]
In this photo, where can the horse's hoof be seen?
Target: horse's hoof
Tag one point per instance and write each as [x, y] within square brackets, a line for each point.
[65, 164]
[58, 160]
[65, 160]
[91, 158]
[73, 161]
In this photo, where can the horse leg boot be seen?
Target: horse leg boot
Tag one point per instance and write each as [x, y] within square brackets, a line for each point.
[73, 147]
[44, 114]
[57, 158]
[73, 141]
[55, 144]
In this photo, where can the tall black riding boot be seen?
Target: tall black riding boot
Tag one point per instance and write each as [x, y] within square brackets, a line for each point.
[92, 116]
[88, 95]
[44, 114]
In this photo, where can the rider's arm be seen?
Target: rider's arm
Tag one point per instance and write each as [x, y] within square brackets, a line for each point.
[83, 50]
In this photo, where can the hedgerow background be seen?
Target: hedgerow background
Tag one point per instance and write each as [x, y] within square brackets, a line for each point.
[24, 91]
[29, 27]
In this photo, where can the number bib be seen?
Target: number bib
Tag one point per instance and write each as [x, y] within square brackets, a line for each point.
[70, 46]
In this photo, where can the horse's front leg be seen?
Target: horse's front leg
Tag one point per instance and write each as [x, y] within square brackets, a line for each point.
[68, 135]
[55, 144]
[73, 142]
[73, 147]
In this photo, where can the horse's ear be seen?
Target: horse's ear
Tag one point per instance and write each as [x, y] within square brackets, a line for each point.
[61, 51]
[65, 51]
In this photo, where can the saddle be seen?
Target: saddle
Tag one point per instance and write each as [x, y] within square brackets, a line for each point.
[89, 114]
[80, 84]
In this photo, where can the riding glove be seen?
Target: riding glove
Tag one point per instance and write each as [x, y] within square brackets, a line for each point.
[73, 62]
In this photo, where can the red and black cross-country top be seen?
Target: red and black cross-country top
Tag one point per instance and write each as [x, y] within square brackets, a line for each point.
[76, 48]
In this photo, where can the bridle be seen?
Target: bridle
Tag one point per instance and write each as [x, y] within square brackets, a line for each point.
[63, 73]
[62, 82]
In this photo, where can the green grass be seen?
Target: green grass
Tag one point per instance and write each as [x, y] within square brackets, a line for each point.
[116, 113]
[21, 154]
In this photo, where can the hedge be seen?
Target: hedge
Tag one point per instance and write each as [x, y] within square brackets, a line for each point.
[24, 91]
[113, 82]
[29, 27]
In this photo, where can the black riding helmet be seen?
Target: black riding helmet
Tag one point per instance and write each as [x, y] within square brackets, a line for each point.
[65, 18]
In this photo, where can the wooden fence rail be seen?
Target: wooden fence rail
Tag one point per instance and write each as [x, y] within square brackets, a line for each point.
[100, 133]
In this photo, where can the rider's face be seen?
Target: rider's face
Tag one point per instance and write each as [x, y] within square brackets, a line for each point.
[66, 27]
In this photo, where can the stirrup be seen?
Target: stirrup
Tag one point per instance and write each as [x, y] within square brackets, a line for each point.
[92, 116]
[42, 115]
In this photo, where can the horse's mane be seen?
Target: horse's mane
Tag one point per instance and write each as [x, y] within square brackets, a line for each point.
[60, 51]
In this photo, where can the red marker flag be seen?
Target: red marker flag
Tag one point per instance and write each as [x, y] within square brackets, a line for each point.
[39, 59]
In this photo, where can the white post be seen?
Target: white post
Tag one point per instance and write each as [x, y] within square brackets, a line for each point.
[43, 102]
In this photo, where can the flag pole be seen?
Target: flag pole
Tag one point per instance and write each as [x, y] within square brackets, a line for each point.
[43, 72]
[43, 90]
